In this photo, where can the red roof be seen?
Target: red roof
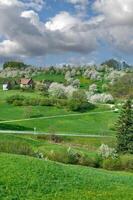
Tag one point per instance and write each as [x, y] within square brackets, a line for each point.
[25, 81]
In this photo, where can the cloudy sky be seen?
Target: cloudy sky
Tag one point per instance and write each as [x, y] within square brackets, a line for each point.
[66, 31]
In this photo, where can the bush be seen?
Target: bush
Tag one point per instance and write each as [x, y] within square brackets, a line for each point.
[61, 103]
[127, 162]
[123, 87]
[46, 102]
[73, 156]
[87, 161]
[33, 102]
[112, 164]
[57, 156]
[79, 102]
[18, 103]
[55, 138]
[13, 98]
[15, 148]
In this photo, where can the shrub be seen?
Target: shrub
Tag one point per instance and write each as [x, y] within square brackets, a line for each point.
[42, 137]
[45, 102]
[127, 162]
[56, 156]
[87, 161]
[55, 138]
[18, 103]
[13, 98]
[123, 87]
[112, 164]
[79, 102]
[34, 101]
[61, 103]
[15, 148]
[73, 156]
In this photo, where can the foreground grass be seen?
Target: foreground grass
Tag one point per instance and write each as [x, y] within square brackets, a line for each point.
[33, 179]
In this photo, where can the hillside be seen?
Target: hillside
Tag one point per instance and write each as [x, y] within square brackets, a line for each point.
[30, 178]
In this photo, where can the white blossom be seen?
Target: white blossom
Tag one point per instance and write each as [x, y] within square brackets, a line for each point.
[100, 98]
[93, 88]
[69, 90]
[57, 90]
[105, 151]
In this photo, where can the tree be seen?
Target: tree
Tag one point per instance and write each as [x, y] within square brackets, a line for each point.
[123, 87]
[125, 129]
[79, 102]
[112, 63]
[14, 65]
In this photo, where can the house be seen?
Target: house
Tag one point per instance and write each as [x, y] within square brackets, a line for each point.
[26, 83]
[6, 86]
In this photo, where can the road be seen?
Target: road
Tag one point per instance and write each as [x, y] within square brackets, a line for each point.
[58, 134]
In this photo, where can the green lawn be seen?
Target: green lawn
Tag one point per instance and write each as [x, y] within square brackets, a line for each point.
[100, 124]
[27, 178]
[6, 94]
[96, 123]
[49, 77]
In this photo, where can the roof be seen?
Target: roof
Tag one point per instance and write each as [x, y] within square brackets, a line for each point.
[25, 81]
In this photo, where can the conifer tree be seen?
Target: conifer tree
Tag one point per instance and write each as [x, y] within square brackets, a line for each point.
[125, 129]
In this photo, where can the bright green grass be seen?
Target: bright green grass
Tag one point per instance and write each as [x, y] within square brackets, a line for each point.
[49, 77]
[10, 112]
[26, 178]
[85, 145]
[100, 124]
[5, 94]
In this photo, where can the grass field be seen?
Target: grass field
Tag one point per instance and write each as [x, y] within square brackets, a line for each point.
[87, 123]
[49, 77]
[45, 144]
[33, 179]
[97, 123]
[100, 124]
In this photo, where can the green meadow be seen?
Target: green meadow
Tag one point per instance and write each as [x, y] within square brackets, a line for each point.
[33, 179]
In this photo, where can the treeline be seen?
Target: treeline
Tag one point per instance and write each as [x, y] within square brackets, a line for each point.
[14, 65]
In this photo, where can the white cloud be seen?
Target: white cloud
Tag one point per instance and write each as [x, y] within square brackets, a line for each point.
[82, 2]
[80, 5]
[9, 48]
[62, 21]
[117, 27]
[116, 12]
[26, 35]
[9, 2]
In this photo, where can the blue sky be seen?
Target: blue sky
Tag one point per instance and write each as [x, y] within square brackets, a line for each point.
[50, 32]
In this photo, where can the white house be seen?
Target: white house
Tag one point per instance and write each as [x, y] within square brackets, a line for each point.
[5, 86]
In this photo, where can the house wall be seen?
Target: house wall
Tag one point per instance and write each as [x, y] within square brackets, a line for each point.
[5, 87]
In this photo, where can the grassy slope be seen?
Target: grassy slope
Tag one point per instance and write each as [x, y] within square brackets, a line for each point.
[82, 145]
[32, 179]
[87, 124]
[49, 77]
